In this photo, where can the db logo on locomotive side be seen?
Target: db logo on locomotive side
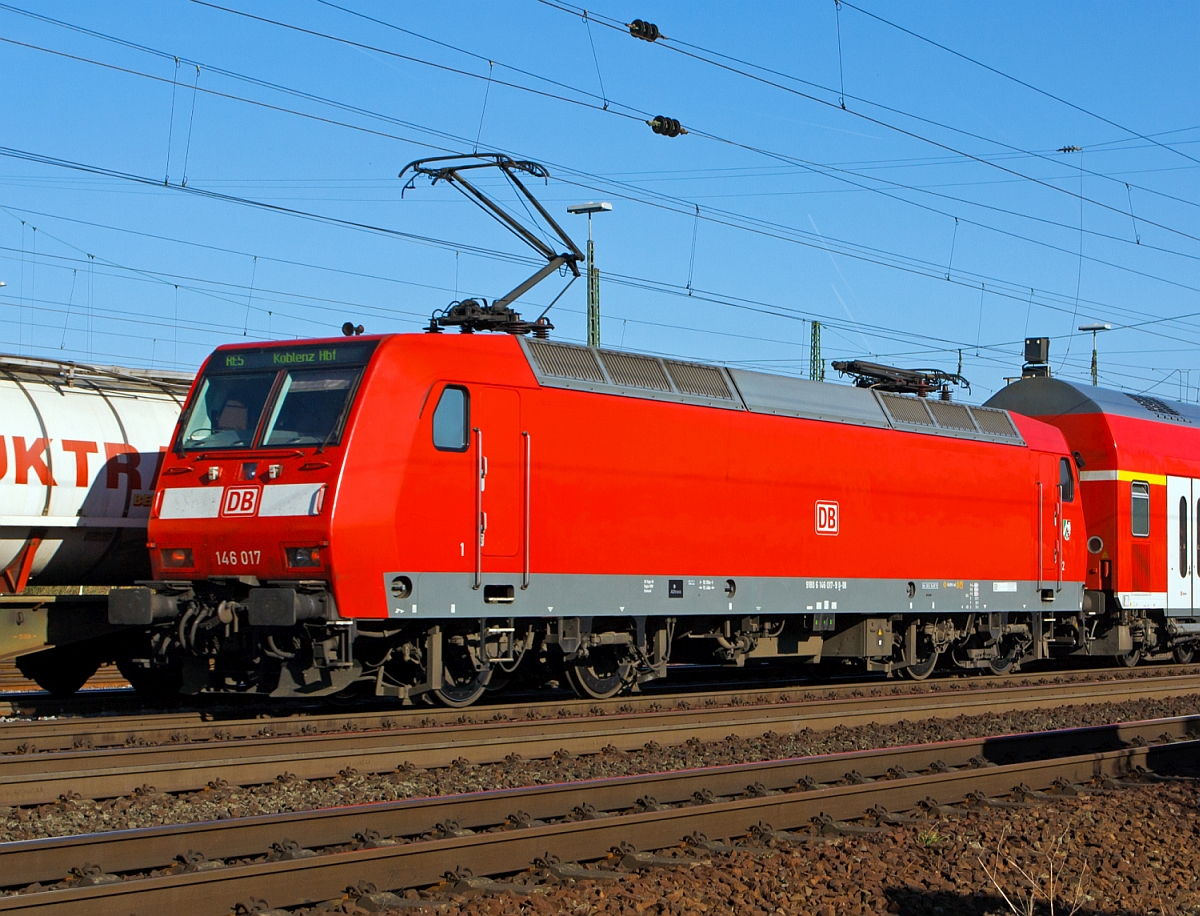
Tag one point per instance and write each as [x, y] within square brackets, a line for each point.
[240, 500]
[827, 517]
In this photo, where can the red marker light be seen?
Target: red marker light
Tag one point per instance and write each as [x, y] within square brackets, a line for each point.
[176, 557]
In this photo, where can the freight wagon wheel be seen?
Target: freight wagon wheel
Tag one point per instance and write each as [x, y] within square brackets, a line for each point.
[1184, 654]
[60, 670]
[604, 673]
[66, 680]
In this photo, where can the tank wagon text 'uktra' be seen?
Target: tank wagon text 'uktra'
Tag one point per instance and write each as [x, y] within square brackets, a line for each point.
[434, 514]
[79, 453]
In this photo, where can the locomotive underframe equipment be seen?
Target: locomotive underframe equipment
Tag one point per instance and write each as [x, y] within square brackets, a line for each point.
[286, 639]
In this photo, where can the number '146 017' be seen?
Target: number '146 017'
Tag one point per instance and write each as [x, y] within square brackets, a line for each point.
[234, 557]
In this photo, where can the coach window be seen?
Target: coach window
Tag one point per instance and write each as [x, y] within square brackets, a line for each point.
[1183, 536]
[1140, 509]
[451, 420]
[1066, 482]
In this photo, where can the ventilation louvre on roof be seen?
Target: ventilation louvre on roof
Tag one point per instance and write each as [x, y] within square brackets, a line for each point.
[705, 381]
[907, 411]
[995, 422]
[566, 361]
[635, 371]
[951, 416]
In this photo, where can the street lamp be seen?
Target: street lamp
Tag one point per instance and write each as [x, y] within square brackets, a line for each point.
[1095, 329]
[593, 273]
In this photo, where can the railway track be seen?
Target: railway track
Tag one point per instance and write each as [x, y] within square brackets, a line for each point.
[190, 756]
[104, 721]
[303, 858]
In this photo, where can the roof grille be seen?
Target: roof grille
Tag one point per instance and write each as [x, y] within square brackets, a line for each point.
[635, 371]
[566, 361]
[1155, 405]
[909, 411]
[994, 422]
[705, 381]
[951, 416]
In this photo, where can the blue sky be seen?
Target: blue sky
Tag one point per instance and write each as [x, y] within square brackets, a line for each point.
[934, 214]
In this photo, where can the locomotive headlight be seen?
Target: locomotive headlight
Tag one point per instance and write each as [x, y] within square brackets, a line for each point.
[176, 557]
[302, 557]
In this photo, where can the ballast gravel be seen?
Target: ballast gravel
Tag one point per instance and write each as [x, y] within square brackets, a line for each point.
[147, 808]
[1132, 851]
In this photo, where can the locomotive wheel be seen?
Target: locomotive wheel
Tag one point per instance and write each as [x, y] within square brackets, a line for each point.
[923, 667]
[1129, 659]
[1001, 664]
[603, 674]
[1184, 654]
[462, 682]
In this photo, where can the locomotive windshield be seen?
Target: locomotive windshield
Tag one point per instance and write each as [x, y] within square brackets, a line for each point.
[279, 396]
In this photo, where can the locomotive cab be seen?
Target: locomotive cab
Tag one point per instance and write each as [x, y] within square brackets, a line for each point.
[239, 534]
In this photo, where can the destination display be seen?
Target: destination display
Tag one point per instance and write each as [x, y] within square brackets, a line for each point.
[291, 357]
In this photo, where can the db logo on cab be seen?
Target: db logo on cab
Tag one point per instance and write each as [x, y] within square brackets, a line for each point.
[240, 501]
[827, 517]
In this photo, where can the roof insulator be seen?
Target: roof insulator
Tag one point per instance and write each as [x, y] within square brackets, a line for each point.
[646, 31]
[667, 127]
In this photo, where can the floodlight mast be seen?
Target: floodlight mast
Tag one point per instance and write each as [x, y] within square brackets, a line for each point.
[1095, 328]
[593, 273]
[470, 315]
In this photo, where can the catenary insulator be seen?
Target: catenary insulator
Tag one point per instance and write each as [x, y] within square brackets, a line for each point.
[647, 31]
[667, 127]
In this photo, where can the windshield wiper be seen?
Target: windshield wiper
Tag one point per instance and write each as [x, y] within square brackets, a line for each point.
[338, 422]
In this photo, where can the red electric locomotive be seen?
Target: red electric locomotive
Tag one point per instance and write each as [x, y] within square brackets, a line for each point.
[429, 514]
[1140, 480]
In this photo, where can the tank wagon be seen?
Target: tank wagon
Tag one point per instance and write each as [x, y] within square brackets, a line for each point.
[430, 514]
[1140, 481]
[79, 452]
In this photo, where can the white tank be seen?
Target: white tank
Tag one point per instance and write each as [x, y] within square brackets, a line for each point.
[79, 453]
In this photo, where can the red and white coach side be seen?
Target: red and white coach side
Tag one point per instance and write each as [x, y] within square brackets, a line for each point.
[1141, 495]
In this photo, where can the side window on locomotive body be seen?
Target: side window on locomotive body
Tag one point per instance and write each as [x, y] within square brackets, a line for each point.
[452, 420]
[1066, 480]
[1139, 515]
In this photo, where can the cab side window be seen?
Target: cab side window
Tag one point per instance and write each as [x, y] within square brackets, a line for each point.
[1140, 509]
[452, 419]
[1066, 481]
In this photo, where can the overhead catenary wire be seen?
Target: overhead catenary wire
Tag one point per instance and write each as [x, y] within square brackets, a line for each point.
[905, 264]
[171, 123]
[1019, 81]
[817, 168]
[187, 149]
[698, 53]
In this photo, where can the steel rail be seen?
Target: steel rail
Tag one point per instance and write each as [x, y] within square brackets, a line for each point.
[111, 713]
[38, 778]
[72, 733]
[313, 879]
[24, 862]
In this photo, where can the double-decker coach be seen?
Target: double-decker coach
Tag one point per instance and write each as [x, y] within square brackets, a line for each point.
[1140, 482]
